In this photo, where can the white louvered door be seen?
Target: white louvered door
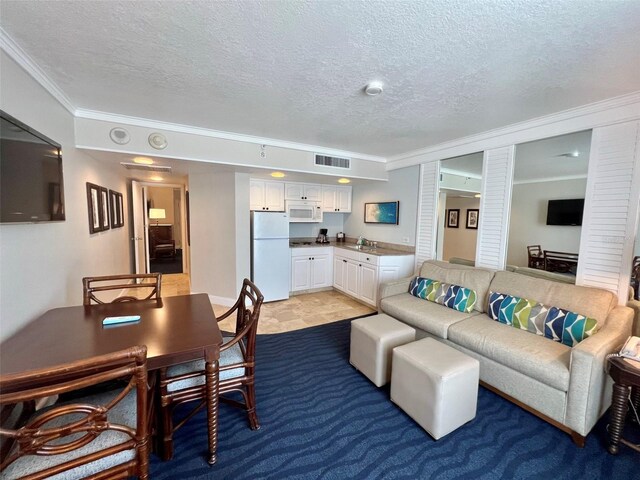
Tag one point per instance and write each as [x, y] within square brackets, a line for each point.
[611, 208]
[495, 206]
[427, 212]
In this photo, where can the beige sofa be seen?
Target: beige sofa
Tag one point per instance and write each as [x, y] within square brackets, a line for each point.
[565, 386]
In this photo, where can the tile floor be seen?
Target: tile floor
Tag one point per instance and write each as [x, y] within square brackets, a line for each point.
[295, 313]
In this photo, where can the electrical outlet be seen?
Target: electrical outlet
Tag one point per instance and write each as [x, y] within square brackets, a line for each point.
[263, 152]
[405, 239]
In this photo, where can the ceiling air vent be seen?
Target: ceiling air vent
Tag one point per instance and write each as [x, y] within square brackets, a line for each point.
[337, 162]
[146, 168]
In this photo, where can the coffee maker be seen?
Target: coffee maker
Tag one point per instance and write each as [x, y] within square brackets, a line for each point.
[322, 236]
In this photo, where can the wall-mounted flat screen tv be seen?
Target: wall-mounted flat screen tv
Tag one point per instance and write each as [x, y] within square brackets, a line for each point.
[31, 188]
[565, 212]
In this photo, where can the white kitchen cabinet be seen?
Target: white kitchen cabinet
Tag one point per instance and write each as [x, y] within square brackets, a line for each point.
[303, 191]
[266, 195]
[336, 199]
[311, 268]
[360, 274]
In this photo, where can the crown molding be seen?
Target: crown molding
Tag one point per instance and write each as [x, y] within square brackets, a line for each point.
[582, 176]
[206, 132]
[605, 112]
[23, 59]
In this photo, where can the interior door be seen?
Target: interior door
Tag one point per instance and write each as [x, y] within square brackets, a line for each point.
[139, 239]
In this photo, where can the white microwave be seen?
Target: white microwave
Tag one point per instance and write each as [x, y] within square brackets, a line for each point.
[301, 211]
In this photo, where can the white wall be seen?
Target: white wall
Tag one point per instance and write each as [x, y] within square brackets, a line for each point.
[333, 222]
[528, 224]
[460, 242]
[220, 229]
[41, 266]
[403, 186]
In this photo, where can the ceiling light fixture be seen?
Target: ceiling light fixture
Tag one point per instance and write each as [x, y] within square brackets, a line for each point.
[477, 195]
[374, 88]
[143, 161]
[344, 180]
[278, 175]
[156, 178]
[573, 154]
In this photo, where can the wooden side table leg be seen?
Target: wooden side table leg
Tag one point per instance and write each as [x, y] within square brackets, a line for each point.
[618, 414]
[212, 389]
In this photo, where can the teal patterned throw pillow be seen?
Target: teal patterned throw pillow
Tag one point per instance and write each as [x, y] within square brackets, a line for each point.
[452, 296]
[557, 324]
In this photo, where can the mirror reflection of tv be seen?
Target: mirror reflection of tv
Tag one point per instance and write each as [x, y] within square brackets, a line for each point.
[565, 212]
[31, 187]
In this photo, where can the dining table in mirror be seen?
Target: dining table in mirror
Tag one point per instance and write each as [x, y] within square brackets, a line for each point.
[174, 329]
[547, 202]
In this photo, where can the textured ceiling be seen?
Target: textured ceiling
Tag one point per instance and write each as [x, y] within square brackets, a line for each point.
[294, 70]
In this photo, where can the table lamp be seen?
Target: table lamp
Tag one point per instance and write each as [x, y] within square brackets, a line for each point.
[156, 214]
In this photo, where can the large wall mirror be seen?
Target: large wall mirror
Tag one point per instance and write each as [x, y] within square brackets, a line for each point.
[459, 207]
[549, 184]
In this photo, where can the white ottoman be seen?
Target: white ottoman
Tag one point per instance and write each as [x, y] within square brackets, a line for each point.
[435, 384]
[372, 341]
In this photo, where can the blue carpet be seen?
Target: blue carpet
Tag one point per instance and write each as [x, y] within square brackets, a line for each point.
[321, 419]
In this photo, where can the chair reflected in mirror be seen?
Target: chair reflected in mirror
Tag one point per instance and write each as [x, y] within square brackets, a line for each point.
[560, 262]
[635, 277]
[536, 257]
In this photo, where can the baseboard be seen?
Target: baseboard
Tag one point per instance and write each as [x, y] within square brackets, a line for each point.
[224, 301]
[311, 290]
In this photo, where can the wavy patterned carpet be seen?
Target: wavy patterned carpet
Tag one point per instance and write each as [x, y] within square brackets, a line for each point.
[323, 420]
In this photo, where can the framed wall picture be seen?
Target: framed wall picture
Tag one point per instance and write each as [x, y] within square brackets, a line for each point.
[95, 208]
[453, 217]
[472, 218]
[382, 212]
[116, 209]
[104, 208]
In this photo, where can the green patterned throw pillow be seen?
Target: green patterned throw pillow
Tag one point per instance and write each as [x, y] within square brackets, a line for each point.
[555, 323]
[452, 296]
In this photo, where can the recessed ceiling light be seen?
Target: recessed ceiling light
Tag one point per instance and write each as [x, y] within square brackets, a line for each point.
[573, 154]
[373, 88]
[477, 195]
[143, 160]
[277, 174]
[344, 180]
[156, 178]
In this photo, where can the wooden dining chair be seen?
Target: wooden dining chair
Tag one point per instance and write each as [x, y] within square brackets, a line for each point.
[142, 286]
[99, 437]
[536, 257]
[185, 382]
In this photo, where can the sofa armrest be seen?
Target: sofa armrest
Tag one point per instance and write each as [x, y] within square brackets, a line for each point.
[396, 287]
[635, 306]
[589, 385]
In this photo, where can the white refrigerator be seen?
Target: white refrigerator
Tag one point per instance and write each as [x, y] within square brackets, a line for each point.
[270, 254]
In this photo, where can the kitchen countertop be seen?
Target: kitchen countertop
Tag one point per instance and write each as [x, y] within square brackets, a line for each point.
[348, 246]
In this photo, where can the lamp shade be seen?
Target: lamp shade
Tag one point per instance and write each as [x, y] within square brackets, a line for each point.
[157, 213]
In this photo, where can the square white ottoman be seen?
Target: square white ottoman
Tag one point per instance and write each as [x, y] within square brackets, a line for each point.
[372, 341]
[435, 384]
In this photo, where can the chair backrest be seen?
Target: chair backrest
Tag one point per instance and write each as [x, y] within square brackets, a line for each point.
[42, 444]
[142, 286]
[635, 268]
[247, 309]
[563, 262]
[534, 250]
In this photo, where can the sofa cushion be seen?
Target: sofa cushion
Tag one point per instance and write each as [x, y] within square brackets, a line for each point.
[428, 316]
[590, 302]
[452, 296]
[551, 322]
[531, 355]
[476, 279]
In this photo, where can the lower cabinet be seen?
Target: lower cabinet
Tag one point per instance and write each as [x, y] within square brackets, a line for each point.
[311, 268]
[360, 274]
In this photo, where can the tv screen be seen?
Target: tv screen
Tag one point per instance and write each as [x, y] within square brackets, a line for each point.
[31, 188]
[565, 212]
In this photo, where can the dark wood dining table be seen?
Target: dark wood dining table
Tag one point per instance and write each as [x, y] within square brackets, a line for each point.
[174, 329]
